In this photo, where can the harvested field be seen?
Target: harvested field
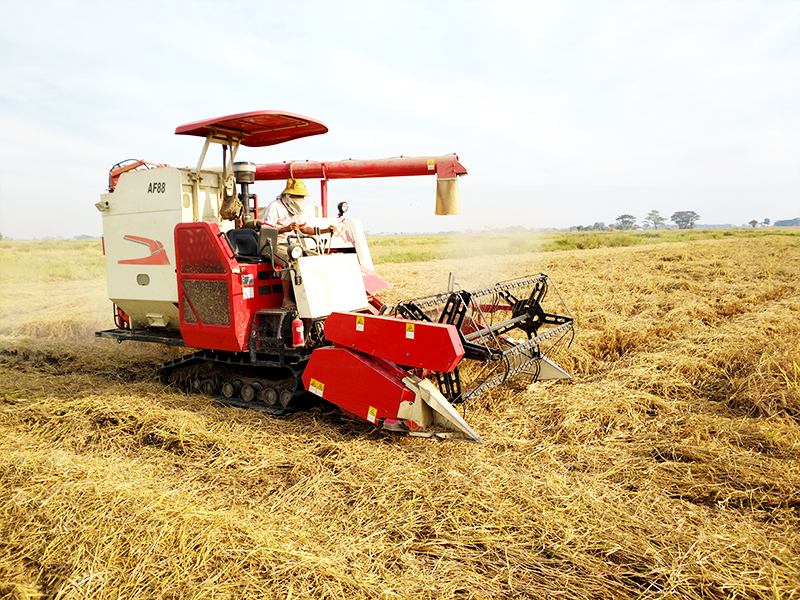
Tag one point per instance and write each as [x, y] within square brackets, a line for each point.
[669, 467]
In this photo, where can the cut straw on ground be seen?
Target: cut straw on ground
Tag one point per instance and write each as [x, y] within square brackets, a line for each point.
[668, 468]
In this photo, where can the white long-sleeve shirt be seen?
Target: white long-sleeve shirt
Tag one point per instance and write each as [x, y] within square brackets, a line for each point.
[277, 215]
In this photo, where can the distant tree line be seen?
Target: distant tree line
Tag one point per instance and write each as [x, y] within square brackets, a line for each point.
[683, 219]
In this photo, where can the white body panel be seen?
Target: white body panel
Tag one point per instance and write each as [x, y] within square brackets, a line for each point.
[330, 283]
[139, 220]
[354, 235]
[350, 234]
[148, 204]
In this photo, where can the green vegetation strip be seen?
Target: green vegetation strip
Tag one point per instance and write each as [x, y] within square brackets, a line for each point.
[404, 248]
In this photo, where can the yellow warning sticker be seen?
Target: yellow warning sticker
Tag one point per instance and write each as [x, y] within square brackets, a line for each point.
[359, 323]
[316, 387]
[410, 331]
[431, 164]
[372, 414]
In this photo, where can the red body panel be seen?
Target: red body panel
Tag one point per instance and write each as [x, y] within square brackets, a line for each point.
[367, 387]
[373, 282]
[217, 297]
[258, 128]
[157, 256]
[413, 343]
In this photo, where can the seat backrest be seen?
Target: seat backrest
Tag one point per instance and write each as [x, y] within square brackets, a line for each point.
[267, 241]
[244, 242]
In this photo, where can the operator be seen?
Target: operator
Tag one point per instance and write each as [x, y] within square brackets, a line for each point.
[285, 214]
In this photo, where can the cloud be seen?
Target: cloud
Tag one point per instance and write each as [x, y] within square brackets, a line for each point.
[577, 108]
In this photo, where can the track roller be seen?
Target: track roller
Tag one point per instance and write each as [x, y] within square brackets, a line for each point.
[231, 388]
[270, 396]
[250, 391]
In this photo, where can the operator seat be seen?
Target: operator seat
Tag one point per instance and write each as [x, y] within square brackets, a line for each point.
[244, 243]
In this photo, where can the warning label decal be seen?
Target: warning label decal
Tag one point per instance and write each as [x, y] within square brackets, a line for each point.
[248, 291]
[316, 387]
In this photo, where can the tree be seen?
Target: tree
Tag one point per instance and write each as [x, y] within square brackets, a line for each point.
[599, 226]
[766, 222]
[684, 219]
[654, 219]
[625, 221]
[752, 223]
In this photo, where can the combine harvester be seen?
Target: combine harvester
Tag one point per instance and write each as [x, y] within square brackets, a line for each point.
[190, 264]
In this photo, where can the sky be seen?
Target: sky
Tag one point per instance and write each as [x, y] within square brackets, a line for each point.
[563, 112]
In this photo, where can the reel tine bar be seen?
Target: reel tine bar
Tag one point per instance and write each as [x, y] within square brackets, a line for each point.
[488, 342]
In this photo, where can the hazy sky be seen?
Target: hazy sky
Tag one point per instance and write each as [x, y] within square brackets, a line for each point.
[564, 113]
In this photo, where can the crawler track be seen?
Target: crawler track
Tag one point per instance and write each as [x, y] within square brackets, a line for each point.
[233, 379]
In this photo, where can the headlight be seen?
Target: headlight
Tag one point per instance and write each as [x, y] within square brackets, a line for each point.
[295, 251]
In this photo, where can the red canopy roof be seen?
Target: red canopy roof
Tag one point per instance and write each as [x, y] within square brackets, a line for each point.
[259, 128]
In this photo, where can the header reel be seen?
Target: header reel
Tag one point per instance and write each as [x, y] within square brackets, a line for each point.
[507, 333]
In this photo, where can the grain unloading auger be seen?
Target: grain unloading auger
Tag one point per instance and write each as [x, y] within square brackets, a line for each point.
[189, 263]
